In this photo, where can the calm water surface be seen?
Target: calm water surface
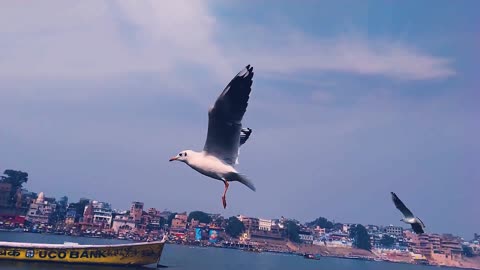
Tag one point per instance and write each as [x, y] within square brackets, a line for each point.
[177, 257]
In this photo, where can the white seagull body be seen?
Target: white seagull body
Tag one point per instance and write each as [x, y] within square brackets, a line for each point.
[416, 223]
[225, 134]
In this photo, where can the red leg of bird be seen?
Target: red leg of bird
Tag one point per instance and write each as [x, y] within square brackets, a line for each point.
[224, 199]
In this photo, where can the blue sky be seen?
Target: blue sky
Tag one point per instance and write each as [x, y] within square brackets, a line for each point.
[351, 100]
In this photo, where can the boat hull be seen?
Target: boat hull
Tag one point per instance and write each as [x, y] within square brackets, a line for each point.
[125, 254]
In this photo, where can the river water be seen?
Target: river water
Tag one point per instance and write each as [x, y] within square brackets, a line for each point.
[177, 257]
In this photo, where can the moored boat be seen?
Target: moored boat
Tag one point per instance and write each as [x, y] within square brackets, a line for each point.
[311, 257]
[120, 254]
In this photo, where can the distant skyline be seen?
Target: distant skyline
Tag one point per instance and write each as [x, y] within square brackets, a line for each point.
[350, 100]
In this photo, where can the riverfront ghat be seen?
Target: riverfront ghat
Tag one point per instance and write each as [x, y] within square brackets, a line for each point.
[184, 257]
[37, 214]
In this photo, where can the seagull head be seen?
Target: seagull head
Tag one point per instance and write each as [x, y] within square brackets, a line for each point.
[182, 156]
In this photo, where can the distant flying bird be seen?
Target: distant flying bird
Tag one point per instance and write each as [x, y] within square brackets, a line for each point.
[415, 222]
[225, 135]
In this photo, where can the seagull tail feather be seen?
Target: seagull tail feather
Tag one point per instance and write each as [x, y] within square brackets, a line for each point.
[242, 179]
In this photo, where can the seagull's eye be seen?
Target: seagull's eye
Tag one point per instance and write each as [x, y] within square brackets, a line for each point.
[180, 154]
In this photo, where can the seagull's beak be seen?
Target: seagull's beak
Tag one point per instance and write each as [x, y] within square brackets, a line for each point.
[173, 158]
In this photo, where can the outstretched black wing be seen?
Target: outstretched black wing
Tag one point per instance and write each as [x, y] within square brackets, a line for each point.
[417, 228]
[225, 117]
[400, 206]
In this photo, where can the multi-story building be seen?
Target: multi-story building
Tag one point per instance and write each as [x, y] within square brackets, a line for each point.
[451, 246]
[261, 229]
[75, 211]
[251, 224]
[40, 210]
[123, 223]
[424, 246]
[306, 237]
[5, 193]
[394, 230]
[265, 224]
[88, 214]
[179, 223]
[435, 241]
[375, 238]
[152, 219]
[430, 244]
[70, 216]
[136, 211]
[155, 223]
[102, 214]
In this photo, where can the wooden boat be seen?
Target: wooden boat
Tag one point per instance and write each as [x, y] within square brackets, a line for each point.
[120, 254]
[311, 257]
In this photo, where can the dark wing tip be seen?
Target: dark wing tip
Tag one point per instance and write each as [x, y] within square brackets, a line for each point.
[247, 131]
[246, 72]
[244, 135]
[417, 228]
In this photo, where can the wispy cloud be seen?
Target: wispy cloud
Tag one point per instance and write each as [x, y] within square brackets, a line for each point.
[291, 51]
[102, 39]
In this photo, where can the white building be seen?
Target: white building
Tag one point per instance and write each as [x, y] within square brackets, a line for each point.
[346, 227]
[265, 224]
[394, 230]
[306, 238]
[102, 213]
[40, 210]
[123, 223]
[336, 243]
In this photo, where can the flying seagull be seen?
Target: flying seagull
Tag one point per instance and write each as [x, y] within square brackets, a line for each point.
[225, 135]
[415, 222]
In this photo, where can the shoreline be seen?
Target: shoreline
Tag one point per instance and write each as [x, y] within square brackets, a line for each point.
[220, 245]
[335, 256]
[327, 256]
